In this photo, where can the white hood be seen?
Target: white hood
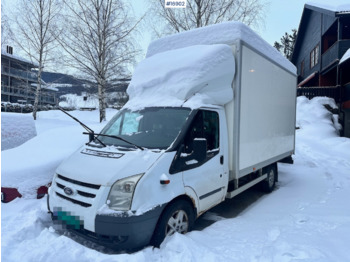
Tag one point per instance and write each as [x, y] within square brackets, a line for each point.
[104, 166]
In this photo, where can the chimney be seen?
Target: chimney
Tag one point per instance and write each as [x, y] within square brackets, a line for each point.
[9, 49]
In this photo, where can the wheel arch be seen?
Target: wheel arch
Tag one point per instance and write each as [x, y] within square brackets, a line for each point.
[187, 198]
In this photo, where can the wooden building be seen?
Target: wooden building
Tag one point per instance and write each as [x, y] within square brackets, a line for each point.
[321, 57]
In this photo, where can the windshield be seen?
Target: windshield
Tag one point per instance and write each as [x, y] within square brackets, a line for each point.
[155, 127]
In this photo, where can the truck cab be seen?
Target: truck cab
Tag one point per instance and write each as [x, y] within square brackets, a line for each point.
[173, 157]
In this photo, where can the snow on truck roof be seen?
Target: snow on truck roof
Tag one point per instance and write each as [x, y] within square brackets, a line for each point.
[224, 33]
[197, 75]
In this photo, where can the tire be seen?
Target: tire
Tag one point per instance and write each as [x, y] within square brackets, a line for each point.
[269, 183]
[177, 217]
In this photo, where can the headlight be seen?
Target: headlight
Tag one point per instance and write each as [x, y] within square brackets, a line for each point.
[121, 193]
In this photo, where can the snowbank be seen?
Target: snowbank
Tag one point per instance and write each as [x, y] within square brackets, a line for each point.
[225, 33]
[317, 124]
[166, 80]
[16, 129]
[33, 164]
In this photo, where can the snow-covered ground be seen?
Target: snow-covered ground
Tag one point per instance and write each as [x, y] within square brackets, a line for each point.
[306, 218]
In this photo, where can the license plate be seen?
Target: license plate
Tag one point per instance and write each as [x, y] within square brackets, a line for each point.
[67, 219]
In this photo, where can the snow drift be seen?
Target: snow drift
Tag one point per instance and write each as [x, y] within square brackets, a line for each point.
[16, 129]
[175, 76]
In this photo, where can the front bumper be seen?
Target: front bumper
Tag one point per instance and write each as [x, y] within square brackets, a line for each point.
[125, 232]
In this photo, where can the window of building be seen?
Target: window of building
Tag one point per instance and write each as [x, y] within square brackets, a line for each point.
[314, 56]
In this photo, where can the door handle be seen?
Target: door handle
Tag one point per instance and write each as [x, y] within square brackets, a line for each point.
[221, 160]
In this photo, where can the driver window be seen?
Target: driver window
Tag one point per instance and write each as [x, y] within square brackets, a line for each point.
[211, 129]
[205, 125]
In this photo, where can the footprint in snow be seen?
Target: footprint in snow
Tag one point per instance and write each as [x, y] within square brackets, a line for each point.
[274, 234]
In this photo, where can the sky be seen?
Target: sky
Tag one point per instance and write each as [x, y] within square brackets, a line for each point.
[281, 16]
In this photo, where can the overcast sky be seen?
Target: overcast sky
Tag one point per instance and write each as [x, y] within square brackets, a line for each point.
[282, 16]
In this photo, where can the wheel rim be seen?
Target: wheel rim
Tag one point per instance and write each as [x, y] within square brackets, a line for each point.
[271, 178]
[178, 222]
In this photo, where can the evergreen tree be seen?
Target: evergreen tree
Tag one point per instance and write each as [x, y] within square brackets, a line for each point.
[286, 44]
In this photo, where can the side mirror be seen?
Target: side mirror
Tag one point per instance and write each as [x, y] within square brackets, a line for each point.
[199, 149]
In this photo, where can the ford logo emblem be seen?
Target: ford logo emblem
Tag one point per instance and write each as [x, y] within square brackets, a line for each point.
[68, 191]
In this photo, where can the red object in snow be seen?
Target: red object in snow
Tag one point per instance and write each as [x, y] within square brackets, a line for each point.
[8, 194]
[41, 192]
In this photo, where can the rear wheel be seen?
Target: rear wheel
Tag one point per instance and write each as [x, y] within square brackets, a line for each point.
[269, 183]
[177, 217]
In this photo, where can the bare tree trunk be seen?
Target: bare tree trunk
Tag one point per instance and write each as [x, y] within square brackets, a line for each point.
[37, 94]
[102, 100]
[199, 15]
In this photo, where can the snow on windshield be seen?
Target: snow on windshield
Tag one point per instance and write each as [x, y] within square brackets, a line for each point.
[154, 128]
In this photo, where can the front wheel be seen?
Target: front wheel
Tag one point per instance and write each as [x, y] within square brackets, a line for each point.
[177, 217]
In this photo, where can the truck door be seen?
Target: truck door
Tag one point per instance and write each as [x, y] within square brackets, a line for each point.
[207, 177]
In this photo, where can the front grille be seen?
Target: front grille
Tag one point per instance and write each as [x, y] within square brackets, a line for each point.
[74, 200]
[79, 183]
[85, 192]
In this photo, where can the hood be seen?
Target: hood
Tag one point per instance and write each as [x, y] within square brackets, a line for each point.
[104, 166]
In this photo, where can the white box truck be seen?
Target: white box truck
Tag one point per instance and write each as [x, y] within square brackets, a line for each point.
[210, 114]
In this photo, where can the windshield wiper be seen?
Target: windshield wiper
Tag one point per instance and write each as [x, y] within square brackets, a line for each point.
[91, 133]
[119, 138]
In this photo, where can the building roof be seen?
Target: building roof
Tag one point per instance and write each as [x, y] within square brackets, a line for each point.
[19, 59]
[332, 8]
[45, 86]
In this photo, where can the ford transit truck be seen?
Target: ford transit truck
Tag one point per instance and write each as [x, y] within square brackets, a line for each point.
[210, 113]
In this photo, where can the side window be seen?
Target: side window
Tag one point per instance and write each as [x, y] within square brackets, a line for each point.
[205, 125]
[211, 129]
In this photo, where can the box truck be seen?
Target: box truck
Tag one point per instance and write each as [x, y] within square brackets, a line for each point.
[211, 111]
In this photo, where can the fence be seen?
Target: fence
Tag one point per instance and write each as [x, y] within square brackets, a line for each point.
[329, 91]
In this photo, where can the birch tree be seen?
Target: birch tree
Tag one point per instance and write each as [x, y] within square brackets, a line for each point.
[200, 13]
[98, 42]
[6, 33]
[35, 21]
